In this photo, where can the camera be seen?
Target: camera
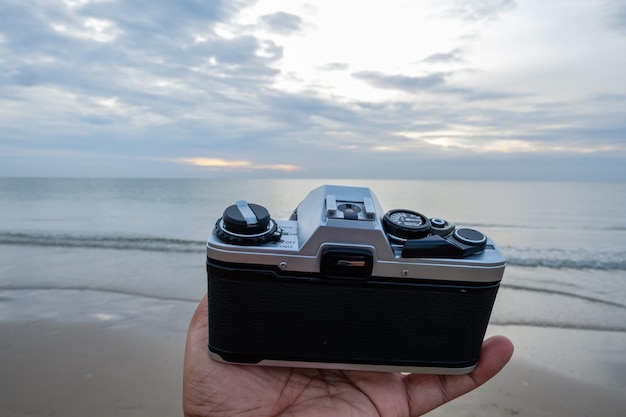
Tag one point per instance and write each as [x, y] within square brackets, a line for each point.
[344, 285]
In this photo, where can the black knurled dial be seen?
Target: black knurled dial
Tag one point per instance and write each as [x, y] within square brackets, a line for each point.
[406, 224]
[247, 224]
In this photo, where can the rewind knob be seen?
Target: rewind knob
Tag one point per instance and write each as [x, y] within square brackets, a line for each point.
[247, 224]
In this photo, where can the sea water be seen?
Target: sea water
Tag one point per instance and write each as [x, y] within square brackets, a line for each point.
[565, 243]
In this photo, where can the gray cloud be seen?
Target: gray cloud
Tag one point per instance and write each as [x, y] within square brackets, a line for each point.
[482, 10]
[444, 57]
[435, 82]
[616, 10]
[335, 66]
[151, 21]
[281, 22]
[400, 82]
[149, 46]
[170, 86]
[165, 86]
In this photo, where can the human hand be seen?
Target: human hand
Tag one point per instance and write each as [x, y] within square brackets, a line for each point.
[212, 388]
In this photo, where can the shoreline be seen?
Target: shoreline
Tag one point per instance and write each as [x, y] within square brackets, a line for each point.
[113, 354]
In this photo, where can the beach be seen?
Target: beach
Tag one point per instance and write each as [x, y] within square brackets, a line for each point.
[99, 278]
[117, 354]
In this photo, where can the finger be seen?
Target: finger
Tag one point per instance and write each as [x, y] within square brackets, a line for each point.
[495, 354]
[200, 316]
[198, 327]
[426, 392]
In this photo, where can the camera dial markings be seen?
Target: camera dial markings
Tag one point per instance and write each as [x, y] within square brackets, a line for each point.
[406, 224]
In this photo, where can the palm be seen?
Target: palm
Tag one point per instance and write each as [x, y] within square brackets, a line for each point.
[216, 389]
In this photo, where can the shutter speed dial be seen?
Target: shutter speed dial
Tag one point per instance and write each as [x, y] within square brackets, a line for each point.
[406, 224]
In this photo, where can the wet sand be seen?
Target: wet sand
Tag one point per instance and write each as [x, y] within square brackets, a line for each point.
[57, 369]
[127, 365]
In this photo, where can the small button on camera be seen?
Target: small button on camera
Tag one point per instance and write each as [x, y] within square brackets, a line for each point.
[440, 227]
[470, 237]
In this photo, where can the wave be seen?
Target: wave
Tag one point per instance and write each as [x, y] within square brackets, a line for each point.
[141, 243]
[566, 259]
[114, 291]
[501, 321]
[563, 293]
[569, 326]
[590, 226]
[515, 256]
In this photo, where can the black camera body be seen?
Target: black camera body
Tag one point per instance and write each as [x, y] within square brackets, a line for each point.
[343, 285]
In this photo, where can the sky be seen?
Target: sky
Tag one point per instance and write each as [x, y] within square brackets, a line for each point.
[400, 89]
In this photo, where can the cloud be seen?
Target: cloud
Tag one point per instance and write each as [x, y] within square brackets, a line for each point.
[155, 87]
[92, 29]
[335, 66]
[151, 72]
[282, 23]
[444, 57]
[222, 164]
[481, 10]
[400, 82]
[616, 11]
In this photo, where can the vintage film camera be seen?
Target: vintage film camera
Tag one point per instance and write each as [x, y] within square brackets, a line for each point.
[344, 285]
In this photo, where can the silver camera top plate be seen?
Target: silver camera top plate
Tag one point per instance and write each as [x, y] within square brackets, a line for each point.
[351, 218]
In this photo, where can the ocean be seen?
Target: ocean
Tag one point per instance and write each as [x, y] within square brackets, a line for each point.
[73, 247]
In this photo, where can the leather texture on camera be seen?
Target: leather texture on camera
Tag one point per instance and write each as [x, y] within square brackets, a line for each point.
[256, 314]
